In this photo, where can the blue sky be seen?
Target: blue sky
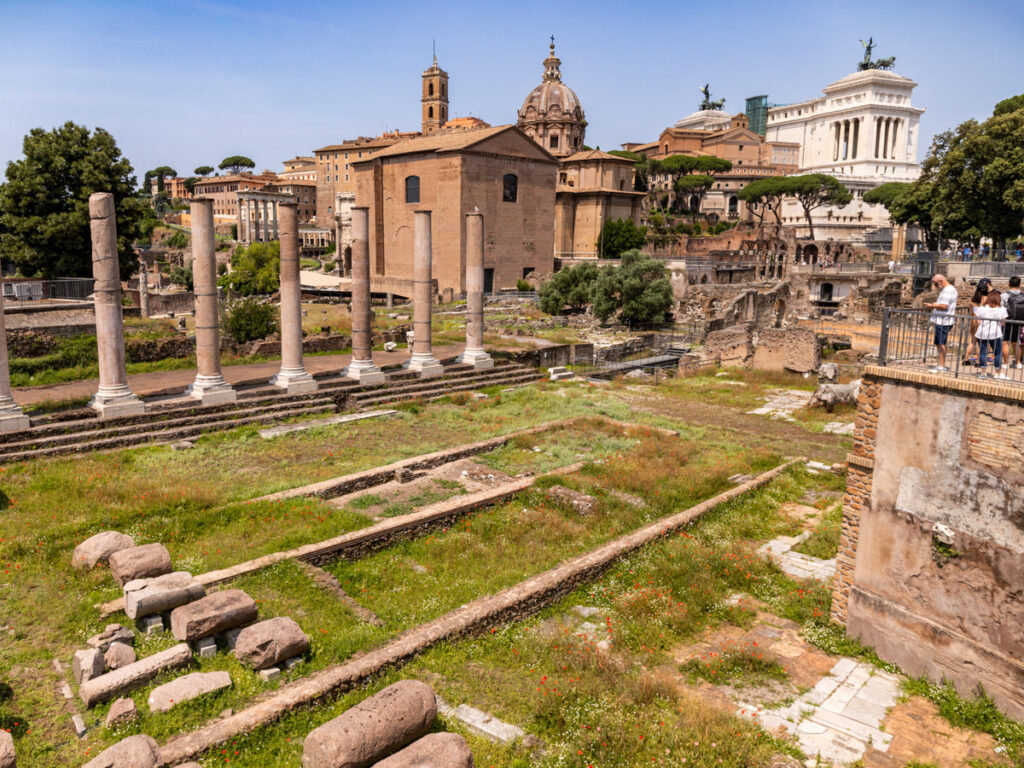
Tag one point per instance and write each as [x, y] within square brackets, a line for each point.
[188, 82]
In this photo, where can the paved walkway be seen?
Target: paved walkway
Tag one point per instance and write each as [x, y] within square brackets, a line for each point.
[175, 382]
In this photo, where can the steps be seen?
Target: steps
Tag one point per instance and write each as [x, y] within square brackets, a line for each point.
[559, 373]
[178, 418]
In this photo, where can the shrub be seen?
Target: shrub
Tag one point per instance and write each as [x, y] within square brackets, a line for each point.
[250, 319]
[255, 269]
[639, 290]
[222, 269]
[568, 288]
[178, 240]
[619, 236]
[182, 276]
[523, 286]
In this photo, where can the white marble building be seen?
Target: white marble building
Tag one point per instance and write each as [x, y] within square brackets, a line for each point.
[864, 132]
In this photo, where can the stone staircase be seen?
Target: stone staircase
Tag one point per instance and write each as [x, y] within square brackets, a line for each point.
[174, 419]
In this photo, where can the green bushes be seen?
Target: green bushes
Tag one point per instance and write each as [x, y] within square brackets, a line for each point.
[254, 270]
[71, 352]
[568, 288]
[250, 319]
[523, 286]
[178, 240]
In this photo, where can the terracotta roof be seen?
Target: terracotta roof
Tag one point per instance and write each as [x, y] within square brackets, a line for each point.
[594, 154]
[359, 143]
[443, 142]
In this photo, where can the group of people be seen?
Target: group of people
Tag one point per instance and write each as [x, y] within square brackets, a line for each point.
[966, 253]
[995, 328]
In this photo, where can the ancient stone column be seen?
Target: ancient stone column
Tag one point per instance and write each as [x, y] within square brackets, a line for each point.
[113, 398]
[209, 386]
[474, 353]
[143, 289]
[361, 368]
[275, 212]
[422, 359]
[266, 221]
[292, 376]
[11, 417]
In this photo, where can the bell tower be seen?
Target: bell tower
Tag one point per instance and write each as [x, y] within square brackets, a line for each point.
[435, 99]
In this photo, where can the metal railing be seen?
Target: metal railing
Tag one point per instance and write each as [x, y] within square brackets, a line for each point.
[908, 341]
[20, 293]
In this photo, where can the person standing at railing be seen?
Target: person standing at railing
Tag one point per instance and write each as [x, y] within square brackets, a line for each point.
[943, 309]
[990, 333]
[971, 356]
[1013, 303]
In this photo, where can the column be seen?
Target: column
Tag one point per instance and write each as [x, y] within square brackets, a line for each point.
[361, 367]
[276, 212]
[856, 136]
[11, 417]
[113, 398]
[292, 376]
[209, 387]
[422, 359]
[474, 353]
[143, 289]
[266, 221]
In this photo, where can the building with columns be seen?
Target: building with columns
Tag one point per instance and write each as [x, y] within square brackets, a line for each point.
[223, 190]
[864, 131]
[552, 115]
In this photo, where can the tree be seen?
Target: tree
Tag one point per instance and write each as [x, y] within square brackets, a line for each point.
[568, 288]
[203, 170]
[254, 270]
[250, 319]
[763, 196]
[44, 204]
[617, 236]
[236, 163]
[693, 188]
[1006, 106]
[641, 174]
[813, 190]
[190, 184]
[639, 290]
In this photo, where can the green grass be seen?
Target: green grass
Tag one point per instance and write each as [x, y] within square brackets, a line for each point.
[823, 542]
[741, 669]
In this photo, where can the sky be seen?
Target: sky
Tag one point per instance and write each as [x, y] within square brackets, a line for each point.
[186, 83]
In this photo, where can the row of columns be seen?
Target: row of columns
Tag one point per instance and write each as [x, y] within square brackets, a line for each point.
[259, 213]
[114, 398]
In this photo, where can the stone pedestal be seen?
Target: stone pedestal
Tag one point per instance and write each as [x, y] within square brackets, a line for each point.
[361, 368]
[422, 360]
[474, 353]
[113, 398]
[209, 386]
[292, 376]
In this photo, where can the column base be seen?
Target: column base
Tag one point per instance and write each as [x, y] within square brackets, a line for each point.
[477, 358]
[12, 419]
[365, 372]
[426, 365]
[295, 382]
[211, 390]
[117, 404]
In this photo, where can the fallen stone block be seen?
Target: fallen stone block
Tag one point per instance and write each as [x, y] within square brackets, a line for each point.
[481, 723]
[124, 679]
[165, 697]
[206, 647]
[269, 674]
[139, 563]
[118, 655]
[160, 593]
[150, 625]
[435, 750]
[139, 751]
[831, 395]
[99, 548]
[8, 759]
[217, 612]
[581, 503]
[85, 665]
[78, 723]
[114, 633]
[231, 637]
[372, 729]
[122, 711]
[270, 642]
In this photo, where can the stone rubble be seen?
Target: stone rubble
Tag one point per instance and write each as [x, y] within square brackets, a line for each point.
[143, 597]
[99, 548]
[435, 749]
[213, 614]
[796, 564]
[139, 563]
[270, 642]
[122, 711]
[124, 679]
[119, 655]
[139, 751]
[481, 723]
[8, 758]
[85, 665]
[165, 697]
[113, 633]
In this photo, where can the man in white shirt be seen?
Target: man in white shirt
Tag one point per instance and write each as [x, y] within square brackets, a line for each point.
[943, 309]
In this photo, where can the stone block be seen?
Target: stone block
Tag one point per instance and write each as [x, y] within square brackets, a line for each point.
[85, 665]
[730, 346]
[122, 711]
[231, 637]
[269, 674]
[373, 729]
[435, 749]
[292, 663]
[126, 678]
[788, 349]
[150, 625]
[210, 615]
[99, 548]
[206, 647]
[185, 688]
[580, 503]
[139, 563]
[114, 633]
[78, 723]
[8, 759]
[160, 593]
[118, 655]
[139, 751]
[270, 642]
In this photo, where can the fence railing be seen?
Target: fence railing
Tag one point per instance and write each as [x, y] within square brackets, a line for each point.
[973, 346]
[41, 292]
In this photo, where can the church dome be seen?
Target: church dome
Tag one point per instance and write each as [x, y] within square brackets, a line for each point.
[551, 114]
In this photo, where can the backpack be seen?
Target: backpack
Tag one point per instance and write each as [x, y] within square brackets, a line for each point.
[1015, 306]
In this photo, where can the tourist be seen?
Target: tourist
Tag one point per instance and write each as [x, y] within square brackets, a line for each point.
[942, 317]
[980, 292]
[1013, 303]
[990, 333]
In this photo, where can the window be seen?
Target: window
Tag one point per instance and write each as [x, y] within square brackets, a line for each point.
[553, 142]
[430, 89]
[412, 189]
[346, 177]
[510, 188]
[430, 113]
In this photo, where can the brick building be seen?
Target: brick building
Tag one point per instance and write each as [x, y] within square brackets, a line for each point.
[299, 168]
[498, 171]
[223, 190]
[593, 187]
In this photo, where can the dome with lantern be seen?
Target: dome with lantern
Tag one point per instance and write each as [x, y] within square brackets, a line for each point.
[551, 114]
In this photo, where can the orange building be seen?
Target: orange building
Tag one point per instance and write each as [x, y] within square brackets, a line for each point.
[223, 190]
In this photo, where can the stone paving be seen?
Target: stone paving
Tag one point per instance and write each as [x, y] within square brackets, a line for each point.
[795, 564]
[841, 717]
[782, 403]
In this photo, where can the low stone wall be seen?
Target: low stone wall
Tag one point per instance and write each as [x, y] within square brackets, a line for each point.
[931, 558]
[787, 349]
[141, 350]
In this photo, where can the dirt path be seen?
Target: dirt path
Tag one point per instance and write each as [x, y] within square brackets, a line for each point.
[170, 382]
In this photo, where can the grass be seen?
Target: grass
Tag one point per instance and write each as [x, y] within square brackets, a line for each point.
[740, 669]
[823, 542]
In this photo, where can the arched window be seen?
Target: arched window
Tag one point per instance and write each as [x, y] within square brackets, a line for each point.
[510, 188]
[430, 113]
[734, 205]
[412, 189]
[430, 89]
